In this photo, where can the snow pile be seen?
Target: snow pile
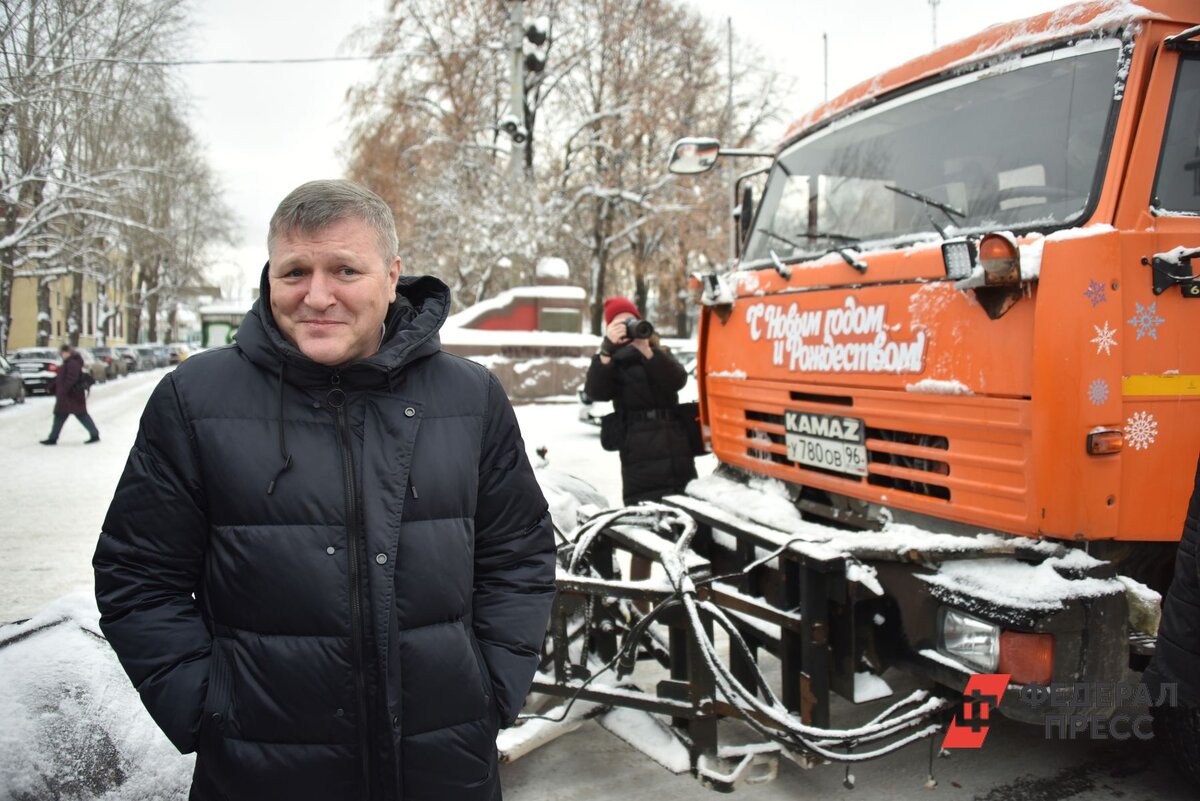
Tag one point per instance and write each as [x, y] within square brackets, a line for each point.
[1095, 229]
[766, 503]
[466, 317]
[865, 575]
[553, 267]
[724, 293]
[647, 734]
[930, 386]
[73, 726]
[1159, 211]
[1019, 585]
[1176, 256]
[747, 282]
[1145, 606]
[763, 500]
[736, 375]
[1031, 251]
[567, 496]
[1031, 257]
[533, 339]
[869, 687]
[1070, 20]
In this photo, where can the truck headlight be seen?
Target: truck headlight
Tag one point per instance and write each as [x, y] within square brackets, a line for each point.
[958, 256]
[968, 639]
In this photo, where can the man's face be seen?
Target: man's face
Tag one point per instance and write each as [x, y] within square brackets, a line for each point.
[330, 290]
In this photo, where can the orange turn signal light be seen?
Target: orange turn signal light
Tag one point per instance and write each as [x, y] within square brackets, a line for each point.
[1027, 658]
[1105, 440]
[1000, 258]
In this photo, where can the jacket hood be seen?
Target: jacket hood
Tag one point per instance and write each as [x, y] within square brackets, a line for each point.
[411, 332]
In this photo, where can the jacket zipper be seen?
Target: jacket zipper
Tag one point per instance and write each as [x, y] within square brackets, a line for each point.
[356, 621]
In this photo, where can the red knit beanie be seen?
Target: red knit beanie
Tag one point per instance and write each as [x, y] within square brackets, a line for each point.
[614, 306]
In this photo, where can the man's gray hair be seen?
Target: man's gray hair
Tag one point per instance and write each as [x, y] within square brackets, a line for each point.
[315, 205]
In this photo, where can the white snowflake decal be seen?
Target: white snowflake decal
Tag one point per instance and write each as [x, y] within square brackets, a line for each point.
[1098, 391]
[1141, 430]
[1106, 339]
[1146, 321]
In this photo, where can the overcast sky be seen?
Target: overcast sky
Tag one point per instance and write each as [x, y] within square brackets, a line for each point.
[268, 128]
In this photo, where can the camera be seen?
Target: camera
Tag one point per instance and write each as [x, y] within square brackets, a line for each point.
[638, 329]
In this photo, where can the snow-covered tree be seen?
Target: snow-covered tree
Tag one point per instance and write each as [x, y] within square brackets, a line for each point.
[426, 137]
[624, 79]
[653, 72]
[79, 84]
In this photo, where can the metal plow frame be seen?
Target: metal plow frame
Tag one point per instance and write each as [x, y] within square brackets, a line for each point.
[605, 625]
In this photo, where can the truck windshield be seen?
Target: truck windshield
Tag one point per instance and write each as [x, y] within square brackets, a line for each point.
[1016, 146]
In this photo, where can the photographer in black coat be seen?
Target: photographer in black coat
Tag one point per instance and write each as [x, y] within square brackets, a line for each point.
[643, 381]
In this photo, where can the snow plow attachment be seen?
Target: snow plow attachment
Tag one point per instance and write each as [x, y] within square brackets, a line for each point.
[761, 619]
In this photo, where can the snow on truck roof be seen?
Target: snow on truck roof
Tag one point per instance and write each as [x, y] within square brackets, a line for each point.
[1070, 20]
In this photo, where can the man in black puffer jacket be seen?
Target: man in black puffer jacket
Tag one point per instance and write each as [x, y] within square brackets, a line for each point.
[328, 567]
[1177, 651]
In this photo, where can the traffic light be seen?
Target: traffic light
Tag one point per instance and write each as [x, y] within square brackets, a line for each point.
[537, 42]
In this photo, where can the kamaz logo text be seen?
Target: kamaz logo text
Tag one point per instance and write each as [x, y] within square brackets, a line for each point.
[846, 429]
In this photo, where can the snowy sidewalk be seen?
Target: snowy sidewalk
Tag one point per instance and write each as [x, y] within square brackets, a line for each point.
[54, 498]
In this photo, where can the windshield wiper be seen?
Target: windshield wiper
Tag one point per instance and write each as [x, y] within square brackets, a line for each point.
[850, 257]
[845, 252]
[795, 245]
[829, 235]
[945, 208]
[784, 271]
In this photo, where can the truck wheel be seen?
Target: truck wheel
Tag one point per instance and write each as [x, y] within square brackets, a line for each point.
[1178, 728]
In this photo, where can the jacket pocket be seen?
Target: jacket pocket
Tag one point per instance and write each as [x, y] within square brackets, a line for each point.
[485, 681]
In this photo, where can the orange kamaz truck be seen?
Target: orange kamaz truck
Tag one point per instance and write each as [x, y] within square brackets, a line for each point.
[964, 295]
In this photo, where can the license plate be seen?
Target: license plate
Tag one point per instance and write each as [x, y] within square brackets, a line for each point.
[827, 441]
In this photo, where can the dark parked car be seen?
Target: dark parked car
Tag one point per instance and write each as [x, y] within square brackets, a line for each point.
[94, 364]
[11, 385]
[154, 355]
[114, 364]
[133, 359]
[177, 352]
[38, 367]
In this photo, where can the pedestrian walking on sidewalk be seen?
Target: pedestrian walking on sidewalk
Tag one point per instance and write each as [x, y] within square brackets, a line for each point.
[70, 397]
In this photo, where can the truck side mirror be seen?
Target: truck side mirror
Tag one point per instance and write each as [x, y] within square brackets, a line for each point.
[693, 155]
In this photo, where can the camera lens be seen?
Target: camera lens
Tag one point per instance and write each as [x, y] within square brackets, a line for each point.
[638, 329]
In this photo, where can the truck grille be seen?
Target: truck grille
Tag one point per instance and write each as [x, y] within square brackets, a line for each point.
[973, 451]
[935, 467]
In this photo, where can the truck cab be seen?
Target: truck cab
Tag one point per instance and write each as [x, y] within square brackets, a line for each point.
[966, 293]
